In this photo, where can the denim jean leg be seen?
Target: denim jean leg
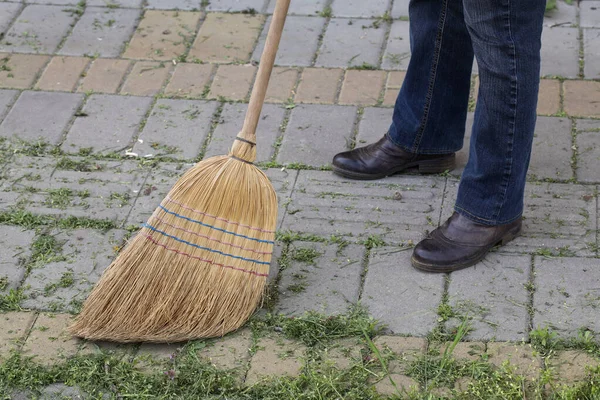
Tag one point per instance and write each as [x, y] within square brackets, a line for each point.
[506, 37]
[431, 108]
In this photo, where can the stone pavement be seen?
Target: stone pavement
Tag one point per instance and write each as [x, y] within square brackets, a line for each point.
[103, 104]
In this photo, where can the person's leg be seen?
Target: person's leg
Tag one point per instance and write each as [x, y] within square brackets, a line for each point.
[429, 117]
[431, 108]
[506, 37]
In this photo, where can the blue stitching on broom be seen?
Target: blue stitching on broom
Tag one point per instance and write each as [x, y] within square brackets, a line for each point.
[204, 248]
[215, 228]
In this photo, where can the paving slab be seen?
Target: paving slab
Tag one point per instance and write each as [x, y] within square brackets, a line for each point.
[14, 327]
[281, 85]
[551, 152]
[572, 366]
[522, 357]
[184, 5]
[64, 285]
[328, 284]
[588, 125]
[7, 98]
[588, 159]
[190, 80]
[227, 38]
[400, 9]
[283, 182]
[110, 124]
[39, 29]
[398, 209]
[465, 351]
[63, 73]
[232, 82]
[101, 32]
[230, 124]
[15, 250]
[146, 78]
[319, 85]
[362, 88]
[8, 12]
[399, 296]
[315, 133]
[492, 296]
[19, 71]
[590, 14]
[305, 7]
[558, 219]
[231, 352]
[566, 296]
[159, 35]
[104, 76]
[49, 341]
[24, 172]
[581, 98]
[176, 128]
[115, 3]
[236, 5]
[591, 53]
[402, 384]
[275, 357]
[351, 42]
[359, 9]
[397, 51]
[405, 350]
[563, 15]
[560, 52]
[42, 116]
[299, 40]
[375, 123]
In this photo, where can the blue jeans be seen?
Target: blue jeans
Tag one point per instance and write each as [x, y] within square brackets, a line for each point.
[431, 109]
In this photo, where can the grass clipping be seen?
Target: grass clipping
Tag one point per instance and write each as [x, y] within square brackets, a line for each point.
[198, 267]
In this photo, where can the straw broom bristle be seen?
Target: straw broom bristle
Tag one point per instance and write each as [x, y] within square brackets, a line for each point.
[198, 267]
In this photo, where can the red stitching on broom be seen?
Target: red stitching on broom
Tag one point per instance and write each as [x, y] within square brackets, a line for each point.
[217, 218]
[202, 259]
[209, 238]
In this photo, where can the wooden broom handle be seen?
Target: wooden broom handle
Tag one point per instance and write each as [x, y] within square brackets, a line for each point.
[264, 71]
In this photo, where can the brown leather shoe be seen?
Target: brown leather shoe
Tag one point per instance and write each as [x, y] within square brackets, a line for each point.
[384, 158]
[460, 243]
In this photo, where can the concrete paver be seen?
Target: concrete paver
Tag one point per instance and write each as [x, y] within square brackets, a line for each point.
[15, 250]
[62, 73]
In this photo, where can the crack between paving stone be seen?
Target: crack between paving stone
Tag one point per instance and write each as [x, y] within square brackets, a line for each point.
[213, 125]
[442, 204]
[71, 122]
[581, 60]
[321, 36]
[351, 143]
[530, 294]
[291, 195]
[29, 330]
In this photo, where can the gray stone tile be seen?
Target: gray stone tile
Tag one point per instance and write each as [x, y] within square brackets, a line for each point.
[63, 285]
[359, 9]
[110, 125]
[160, 181]
[305, 7]
[315, 133]
[398, 209]
[54, 2]
[400, 8]
[39, 29]
[328, 285]
[231, 122]
[299, 40]
[590, 14]
[25, 171]
[558, 219]
[236, 5]
[560, 52]
[374, 123]
[176, 128]
[88, 189]
[397, 51]
[113, 3]
[588, 160]
[398, 295]
[186, 5]
[15, 249]
[586, 125]
[283, 182]
[566, 295]
[563, 15]
[40, 116]
[7, 97]
[551, 151]
[591, 53]
[101, 32]
[8, 12]
[493, 297]
[351, 42]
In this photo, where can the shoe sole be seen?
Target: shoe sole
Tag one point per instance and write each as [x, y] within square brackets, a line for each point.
[433, 166]
[421, 266]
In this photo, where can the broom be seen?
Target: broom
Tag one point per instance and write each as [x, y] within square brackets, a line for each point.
[198, 267]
